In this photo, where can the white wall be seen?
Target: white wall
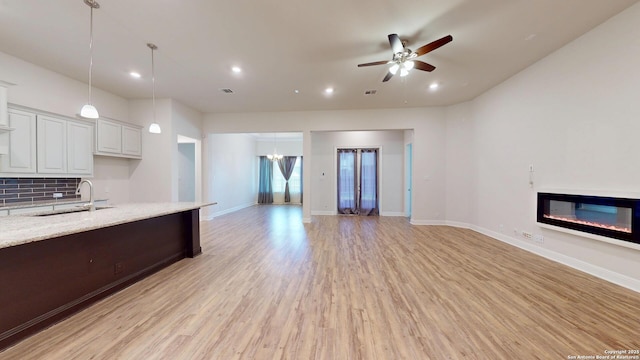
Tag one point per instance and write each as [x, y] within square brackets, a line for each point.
[42, 89]
[284, 147]
[230, 174]
[575, 116]
[155, 177]
[111, 179]
[391, 181]
[429, 129]
[460, 165]
[187, 122]
[151, 178]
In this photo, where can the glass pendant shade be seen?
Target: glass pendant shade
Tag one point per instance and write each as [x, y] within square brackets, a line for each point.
[89, 111]
[154, 128]
[408, 65]
[394, 68]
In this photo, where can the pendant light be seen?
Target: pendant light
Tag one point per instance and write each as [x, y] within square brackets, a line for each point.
[89, 111]
[275, 156]
[154, 128]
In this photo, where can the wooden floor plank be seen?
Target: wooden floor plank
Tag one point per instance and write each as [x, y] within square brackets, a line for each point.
[269, 287]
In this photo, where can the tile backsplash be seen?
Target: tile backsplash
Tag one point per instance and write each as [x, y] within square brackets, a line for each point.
[15, 191]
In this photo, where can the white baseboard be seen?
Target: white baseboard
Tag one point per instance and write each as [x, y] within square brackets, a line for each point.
[323, 212]
[227, 211]
[599, 272]
[427, 222]
[457, 224]
[392, 213]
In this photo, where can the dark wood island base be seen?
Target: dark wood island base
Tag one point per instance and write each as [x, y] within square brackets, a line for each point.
[45, 281]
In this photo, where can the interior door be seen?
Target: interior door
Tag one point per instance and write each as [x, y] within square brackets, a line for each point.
[357, 181]
[408, 181]
[347, 181]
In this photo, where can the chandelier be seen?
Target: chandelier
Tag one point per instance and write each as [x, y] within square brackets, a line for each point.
[275, 156]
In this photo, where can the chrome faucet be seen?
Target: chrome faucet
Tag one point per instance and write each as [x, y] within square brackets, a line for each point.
[91, 205]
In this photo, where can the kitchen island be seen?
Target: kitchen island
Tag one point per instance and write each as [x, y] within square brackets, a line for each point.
[53, 266]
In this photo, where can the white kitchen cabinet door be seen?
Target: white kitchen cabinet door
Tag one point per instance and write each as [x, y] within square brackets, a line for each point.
[52, 145]
[79, 148]
[131, 141]
[21, 143]
[109, 137]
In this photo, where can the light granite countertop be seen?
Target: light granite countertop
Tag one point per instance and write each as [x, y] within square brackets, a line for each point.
[22, 229]
[47, 203]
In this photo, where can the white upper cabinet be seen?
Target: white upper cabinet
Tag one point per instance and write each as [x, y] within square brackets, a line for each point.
[115, 138]
[21, 157]
[52, 145]
[109, 137]
[42, 145]
[131, 141]
[4, 119]
[79, 148]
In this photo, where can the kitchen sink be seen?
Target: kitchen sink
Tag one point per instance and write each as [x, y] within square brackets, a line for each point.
[69, 211]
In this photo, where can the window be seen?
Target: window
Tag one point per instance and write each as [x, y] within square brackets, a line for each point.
[279, 183]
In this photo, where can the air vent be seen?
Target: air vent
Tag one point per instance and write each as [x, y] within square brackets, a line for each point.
[370, 92]
[227, 91]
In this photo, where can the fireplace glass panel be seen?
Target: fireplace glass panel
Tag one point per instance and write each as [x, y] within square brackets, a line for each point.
[609, 217]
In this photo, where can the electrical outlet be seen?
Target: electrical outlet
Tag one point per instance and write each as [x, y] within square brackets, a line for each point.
[118, 268]
[57, 195]
[538, 238]
[527, 235]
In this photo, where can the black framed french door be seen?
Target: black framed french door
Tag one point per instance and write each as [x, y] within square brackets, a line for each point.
[357, 181]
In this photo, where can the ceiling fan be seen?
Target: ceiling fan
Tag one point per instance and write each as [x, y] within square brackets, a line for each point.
[403, 57]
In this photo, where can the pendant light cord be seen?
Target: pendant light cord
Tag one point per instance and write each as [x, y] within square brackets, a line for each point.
[153, 85]
[90, 51]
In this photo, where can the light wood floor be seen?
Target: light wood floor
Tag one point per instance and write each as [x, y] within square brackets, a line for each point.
[269, 287]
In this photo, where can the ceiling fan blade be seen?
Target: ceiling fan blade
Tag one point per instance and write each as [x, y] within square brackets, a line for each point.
[396, 43]
[434, 45]
[386, 78]
[374, 63]
[421, 65]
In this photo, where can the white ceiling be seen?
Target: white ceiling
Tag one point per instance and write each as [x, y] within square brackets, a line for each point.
[283, 45]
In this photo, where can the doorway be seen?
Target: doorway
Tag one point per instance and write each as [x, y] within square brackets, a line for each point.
[188, 169]
[357, 181]
[408, 179]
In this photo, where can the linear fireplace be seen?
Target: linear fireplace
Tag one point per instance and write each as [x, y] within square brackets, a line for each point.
[611, 217]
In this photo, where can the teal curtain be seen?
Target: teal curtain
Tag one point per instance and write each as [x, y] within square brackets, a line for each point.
[265, 184]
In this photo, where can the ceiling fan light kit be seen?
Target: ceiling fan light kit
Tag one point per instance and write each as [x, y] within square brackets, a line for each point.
[403, 57]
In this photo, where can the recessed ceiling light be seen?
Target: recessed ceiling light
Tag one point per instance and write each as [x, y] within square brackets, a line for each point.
[296, 91]
[135, 75]
[434, 86]
[328, 90]
[236, 69]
